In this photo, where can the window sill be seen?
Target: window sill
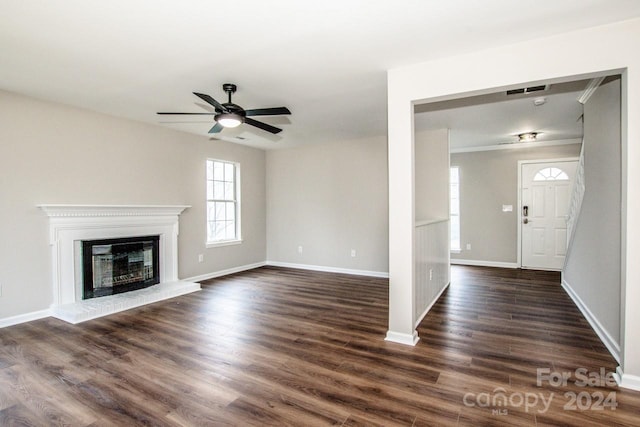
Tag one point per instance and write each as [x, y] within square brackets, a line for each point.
[456, 251]
[223, 243]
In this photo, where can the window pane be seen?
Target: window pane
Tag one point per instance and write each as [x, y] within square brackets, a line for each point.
[551, 174]
[230, 229]
[228, 191]
[231, 210]
[219, 230]
[220, 211]
[211, 212]
[218, 171]
[218, 190]
[228, 172]
[455, 232]
[211, 231]
[209, 190]
[454, 207]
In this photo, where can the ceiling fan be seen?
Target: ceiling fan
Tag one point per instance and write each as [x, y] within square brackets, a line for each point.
[230, 115]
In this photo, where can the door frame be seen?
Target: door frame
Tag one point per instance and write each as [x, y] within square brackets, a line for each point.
[519, 190]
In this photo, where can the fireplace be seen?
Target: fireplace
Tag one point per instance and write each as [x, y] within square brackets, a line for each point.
[127, 253]
[113, 266]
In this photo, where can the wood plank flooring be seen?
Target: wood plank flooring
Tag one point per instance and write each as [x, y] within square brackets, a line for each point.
[275, 346]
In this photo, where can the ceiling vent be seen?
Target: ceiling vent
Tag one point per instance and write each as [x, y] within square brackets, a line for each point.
[528, 89]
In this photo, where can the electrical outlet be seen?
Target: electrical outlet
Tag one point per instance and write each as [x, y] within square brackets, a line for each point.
[200, 258]
[431, 274]
[468, 246]
[299, 249]
[353, 253]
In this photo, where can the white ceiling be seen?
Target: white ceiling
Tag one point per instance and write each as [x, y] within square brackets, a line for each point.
[324, 60]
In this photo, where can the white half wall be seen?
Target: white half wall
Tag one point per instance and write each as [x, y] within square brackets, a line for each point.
[591, 52]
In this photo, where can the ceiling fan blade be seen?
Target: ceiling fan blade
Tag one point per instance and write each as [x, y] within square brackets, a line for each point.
[209, 100]
[216, 128]
[262, 125]
[199, 114]
[267, 111]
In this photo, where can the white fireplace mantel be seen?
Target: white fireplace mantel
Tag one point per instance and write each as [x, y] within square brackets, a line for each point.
[69, 225]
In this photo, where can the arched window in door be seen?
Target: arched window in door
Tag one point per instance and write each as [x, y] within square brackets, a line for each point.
[551, 174]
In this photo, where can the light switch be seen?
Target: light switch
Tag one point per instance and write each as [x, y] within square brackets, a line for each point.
[507, 208]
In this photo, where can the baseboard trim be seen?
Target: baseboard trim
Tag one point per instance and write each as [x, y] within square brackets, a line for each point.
[632, 382]
[220, 273]
[480, 263]
[607, 340]
[382, 274]
[444, 288]
[400, 338]
[23, 318]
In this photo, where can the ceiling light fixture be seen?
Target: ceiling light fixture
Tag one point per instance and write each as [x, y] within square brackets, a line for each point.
[229, 120]
[527, 136]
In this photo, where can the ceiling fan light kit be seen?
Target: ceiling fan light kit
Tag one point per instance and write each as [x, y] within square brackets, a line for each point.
[229, 120]
[230, 115]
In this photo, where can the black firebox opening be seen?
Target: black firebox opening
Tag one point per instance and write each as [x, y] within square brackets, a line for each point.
[112, 266]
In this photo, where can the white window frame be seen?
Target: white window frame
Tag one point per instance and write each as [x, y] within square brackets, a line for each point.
[238, 205]
[451, 247]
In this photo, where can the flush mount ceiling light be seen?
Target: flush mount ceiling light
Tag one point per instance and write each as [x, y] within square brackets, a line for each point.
[539, 101]
[527, 137]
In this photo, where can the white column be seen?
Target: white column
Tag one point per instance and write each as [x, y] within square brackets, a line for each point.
[401, 216]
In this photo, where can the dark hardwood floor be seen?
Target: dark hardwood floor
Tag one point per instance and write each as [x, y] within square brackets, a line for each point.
[276, 346]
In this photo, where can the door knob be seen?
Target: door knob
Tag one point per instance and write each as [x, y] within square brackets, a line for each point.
[526, 220]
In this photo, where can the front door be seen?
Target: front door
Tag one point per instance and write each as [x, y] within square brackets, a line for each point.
[545, 194]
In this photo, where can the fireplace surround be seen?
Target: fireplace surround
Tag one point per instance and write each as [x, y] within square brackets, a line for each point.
[71, 225]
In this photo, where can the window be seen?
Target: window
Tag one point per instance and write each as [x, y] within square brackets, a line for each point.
[551, 174]
[454, 207]
[223, 207]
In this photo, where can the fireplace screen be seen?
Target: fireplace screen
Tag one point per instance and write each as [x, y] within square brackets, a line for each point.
[119, 265]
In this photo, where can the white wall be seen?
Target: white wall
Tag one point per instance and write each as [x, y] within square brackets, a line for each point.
[329, 199]
[601, 50]
[51, 153]
[432, 174]
[592, 268]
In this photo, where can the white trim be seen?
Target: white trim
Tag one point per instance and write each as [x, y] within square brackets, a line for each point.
[400, 338]
[632, 382]
[22, 318]
[481, 263]
[111, 210]
[70, 224]
[223, 243]
[421, 317]
[516, 145]
[590, 89]
[225, 272]
[607, 340]
[519, 190]
[237, 189]
[382, 274]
